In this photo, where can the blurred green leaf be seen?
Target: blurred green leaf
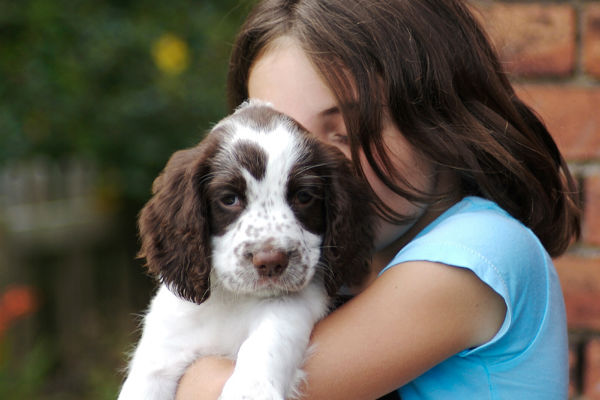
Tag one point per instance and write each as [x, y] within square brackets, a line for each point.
[78, 79]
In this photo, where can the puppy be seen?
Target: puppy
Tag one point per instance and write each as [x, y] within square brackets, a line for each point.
[250, 234]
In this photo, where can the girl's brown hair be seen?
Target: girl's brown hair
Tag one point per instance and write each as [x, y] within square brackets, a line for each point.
[429, 65]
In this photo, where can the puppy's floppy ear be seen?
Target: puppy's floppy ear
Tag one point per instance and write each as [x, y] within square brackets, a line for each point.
[174, 226]
[348, 242]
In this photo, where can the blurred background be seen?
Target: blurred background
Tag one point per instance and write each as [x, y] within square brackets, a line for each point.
[94, 97]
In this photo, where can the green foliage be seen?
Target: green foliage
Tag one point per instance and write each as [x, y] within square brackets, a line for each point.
[79, 79]
[24, 378]
[120, 85]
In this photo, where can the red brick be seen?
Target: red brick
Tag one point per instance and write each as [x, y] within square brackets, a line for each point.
[591, 211]
[580, 280]
[591, 39]
[532, 39]
[572, 115]
[591, 385]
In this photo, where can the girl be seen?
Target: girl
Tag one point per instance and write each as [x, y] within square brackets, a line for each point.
[473, 196]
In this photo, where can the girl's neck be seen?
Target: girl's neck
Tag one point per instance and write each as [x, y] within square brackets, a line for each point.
[385, 255]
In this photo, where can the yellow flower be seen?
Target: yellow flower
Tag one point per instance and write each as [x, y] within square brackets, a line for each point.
[171, 54]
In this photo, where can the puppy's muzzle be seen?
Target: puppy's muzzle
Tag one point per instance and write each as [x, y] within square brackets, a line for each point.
[270, 262]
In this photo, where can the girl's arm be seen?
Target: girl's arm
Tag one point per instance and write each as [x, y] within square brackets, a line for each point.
[414, 316]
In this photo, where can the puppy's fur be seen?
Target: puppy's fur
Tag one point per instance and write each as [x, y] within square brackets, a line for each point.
[250, 234]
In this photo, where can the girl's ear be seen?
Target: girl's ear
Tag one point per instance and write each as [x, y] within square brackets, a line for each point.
[349, 235]
[174, 226]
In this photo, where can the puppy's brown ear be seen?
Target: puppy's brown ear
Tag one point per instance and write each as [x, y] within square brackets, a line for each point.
[349, 235]
[174, 226]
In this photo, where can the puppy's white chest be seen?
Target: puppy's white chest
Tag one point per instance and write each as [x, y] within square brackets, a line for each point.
[220, 325]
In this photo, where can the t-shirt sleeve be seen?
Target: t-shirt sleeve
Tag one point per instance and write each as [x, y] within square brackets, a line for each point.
[501, 252]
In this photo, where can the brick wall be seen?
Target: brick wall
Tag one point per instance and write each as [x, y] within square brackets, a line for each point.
[552, 49]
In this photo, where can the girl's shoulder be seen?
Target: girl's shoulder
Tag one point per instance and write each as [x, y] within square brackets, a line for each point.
[478, 235]
[480, 227]
[475, 216]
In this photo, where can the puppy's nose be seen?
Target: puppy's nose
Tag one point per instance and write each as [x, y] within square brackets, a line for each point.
[270, 262]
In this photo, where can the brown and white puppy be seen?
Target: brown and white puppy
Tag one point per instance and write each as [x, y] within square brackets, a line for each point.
[250, 234]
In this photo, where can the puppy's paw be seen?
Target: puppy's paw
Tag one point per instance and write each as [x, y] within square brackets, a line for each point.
[249, 389]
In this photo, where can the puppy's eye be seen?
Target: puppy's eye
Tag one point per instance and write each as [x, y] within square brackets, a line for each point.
[230, 200]
[304, 197]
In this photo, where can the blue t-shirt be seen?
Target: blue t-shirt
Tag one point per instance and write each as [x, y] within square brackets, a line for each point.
[528, 357]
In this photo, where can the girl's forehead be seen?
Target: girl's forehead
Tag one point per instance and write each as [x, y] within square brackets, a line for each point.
[285, 77]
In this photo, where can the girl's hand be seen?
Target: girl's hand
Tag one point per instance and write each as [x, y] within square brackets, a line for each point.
[204, 379]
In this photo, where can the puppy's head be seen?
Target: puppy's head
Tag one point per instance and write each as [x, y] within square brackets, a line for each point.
[258, 207]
